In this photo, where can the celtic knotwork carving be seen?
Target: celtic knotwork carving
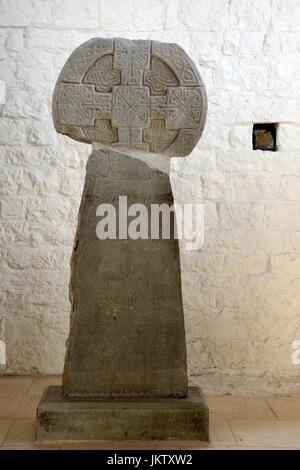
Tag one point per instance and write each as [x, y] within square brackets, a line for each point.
[159, 78]
[158, 107]
[102, 75]
[84, 56]
[183, 108]
[158, 137]
[131, 106]
[80, 105]
[132, 138]
[177, 60]
[101, 132]
[132, 58]
[136, 94]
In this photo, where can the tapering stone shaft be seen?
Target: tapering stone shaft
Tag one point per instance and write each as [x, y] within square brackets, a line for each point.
[127, 334]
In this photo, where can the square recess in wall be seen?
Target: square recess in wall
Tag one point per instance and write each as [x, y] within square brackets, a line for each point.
[264, 136]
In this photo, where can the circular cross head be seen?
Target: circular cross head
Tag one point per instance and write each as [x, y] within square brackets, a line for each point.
[145, 95]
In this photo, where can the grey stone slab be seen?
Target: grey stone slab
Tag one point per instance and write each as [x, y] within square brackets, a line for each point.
[126, 93]
[61, 418]
[127, 334]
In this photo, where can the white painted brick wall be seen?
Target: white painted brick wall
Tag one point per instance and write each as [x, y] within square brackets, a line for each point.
[242, 291]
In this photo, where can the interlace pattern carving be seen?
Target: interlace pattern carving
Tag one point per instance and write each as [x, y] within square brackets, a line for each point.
[134, 94]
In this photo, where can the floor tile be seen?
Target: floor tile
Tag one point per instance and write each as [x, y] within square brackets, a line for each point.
[14, 386]
[239, 407]
[277, 434]
[286, 408]
[5, 424]
[9, 406]
[40, 383]
[220, 432]
[27, 408]
[21, 432]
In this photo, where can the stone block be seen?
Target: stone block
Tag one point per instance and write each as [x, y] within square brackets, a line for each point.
[75, 14]
[241, 214]
[12, 131]
[132, 15]
[240, 137]
[287, 263]
[290, 188]
[2, 92]
[239, 263]
[288, 136]
[251, 16]
[61, 418]
[203, 15]
[24, 13]
[282, 214]
[12, 207]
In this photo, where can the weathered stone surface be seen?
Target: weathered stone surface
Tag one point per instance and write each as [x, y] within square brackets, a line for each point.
[126, 347]
[61, 418]
[127, 333]
[113, 91]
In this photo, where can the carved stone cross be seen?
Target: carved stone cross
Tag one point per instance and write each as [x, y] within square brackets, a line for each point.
[125, 374]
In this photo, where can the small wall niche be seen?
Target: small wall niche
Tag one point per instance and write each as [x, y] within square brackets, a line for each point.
[264, 136]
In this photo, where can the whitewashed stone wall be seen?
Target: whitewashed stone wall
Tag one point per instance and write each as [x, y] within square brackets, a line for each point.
[242, 290]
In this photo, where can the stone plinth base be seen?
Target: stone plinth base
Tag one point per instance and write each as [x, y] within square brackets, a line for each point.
[60, 418]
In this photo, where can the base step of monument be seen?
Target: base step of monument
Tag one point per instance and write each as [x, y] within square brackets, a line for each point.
[61, 418]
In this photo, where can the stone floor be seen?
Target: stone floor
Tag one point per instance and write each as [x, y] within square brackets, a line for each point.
[235, 422]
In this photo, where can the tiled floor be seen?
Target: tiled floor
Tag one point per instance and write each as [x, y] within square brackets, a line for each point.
[235, 422]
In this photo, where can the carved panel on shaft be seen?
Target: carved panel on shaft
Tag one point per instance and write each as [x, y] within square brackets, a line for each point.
[127, 336]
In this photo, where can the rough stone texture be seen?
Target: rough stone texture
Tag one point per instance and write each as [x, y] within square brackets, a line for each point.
[127, 334]
[137, 94]
[240, 321]
[2, 92]
[61, 418]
